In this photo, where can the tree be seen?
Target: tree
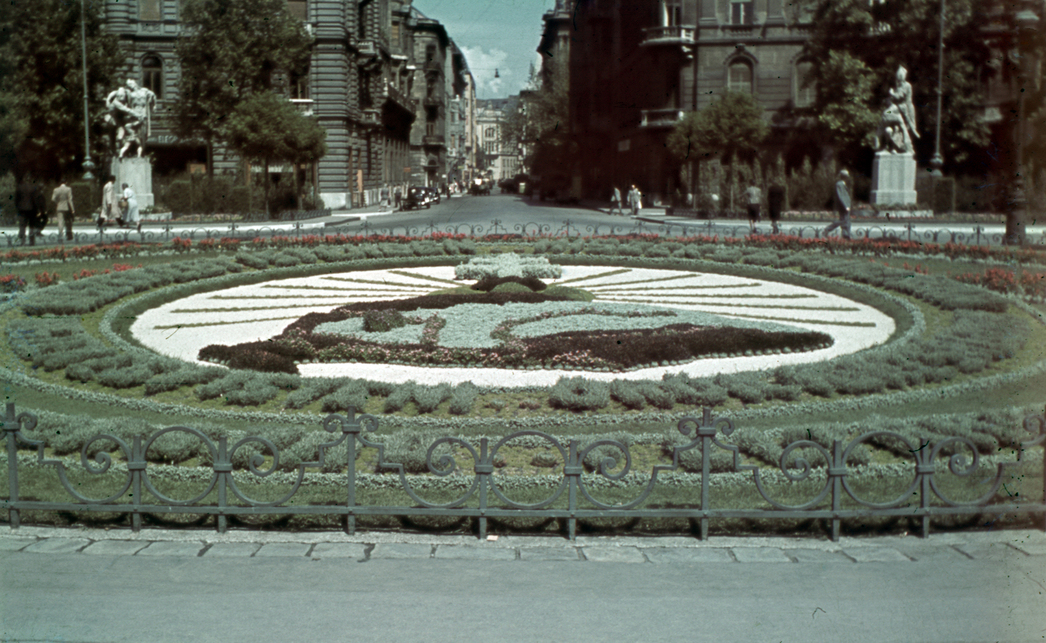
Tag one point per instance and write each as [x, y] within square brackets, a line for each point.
[230, 50]
[731, 128]
[539, 125]
[856, 47]
[267, 127]
[41, 83]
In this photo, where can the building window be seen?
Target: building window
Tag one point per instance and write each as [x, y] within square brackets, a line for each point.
[150, 10]
[299, 9]
[490, 133]
[490, 147]
[805, 90]
[430, 53]
[739, 77]
[152, 74]
[672, 13]
[741, 12]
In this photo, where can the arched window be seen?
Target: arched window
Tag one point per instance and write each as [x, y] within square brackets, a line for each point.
[152, 74]
[804, 89]
[739, 77]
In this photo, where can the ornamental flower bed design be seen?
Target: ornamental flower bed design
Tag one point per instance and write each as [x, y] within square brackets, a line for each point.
[342, 336]
[508, 264]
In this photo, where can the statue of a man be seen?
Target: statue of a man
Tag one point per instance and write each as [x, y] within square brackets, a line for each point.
[897, 127]
[130, 111]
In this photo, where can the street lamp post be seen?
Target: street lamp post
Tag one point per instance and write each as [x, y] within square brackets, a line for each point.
[1027, 24]
[88, 165]
[937, 162]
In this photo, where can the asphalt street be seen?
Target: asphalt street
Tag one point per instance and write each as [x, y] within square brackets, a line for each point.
[515, 214]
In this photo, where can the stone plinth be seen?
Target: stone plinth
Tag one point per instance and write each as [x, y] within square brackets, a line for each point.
[893, 179]
[137, 173]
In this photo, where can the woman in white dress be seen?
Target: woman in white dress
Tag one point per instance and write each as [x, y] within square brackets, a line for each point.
[132, 217]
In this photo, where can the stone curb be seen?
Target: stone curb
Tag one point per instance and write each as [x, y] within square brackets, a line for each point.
[990, 546]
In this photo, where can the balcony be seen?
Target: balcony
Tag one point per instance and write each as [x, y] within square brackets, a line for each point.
[433, 101]
[674, 35]
[659, 118]
[433, 140]
[304, 105]
[389, 93]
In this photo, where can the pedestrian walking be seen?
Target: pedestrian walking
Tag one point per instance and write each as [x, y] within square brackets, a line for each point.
[635, 200]
[774, 203]
[132, 217]
[384, 200]
[397, 195]
[842, 206]
[754, 197]
[110, 204]
[25, 205]
[615, 202]
[62, 197]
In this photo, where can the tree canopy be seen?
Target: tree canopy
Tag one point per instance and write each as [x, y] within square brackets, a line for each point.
[856, 47]
[729, 128]
[230, 50]
[541, 127]
[41, 84]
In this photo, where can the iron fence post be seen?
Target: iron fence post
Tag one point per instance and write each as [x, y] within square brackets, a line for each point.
[572, 470]
[350, 448]
[11, 428]
[223, 469]
[135, 466]
[924, 469]
[484, 468]
[836, 473]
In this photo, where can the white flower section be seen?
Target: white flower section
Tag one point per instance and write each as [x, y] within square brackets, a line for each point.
[854, 326]
[507, 265]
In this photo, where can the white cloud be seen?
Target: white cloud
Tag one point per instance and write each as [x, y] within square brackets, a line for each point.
[483, 64]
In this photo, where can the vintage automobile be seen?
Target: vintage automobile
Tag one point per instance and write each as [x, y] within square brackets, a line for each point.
[417, 197]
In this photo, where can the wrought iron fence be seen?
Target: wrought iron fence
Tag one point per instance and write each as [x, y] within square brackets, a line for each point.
[978, 235]
[484, 498]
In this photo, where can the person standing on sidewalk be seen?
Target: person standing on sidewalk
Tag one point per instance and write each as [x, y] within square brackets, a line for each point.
[635, 200]
[110, 209]
[842, 206]
[774, 203]
[754, 196]
[615, 202]
[132, 218]
[63, 199]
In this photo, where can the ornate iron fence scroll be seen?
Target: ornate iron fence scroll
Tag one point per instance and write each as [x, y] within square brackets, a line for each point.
[484, 496]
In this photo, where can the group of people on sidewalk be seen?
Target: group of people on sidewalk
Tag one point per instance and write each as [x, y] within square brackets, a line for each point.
[33, 216]
[635, 201]
[775, 203]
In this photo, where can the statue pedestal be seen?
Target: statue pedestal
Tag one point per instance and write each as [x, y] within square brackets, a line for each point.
[137, 173]
[893, 179]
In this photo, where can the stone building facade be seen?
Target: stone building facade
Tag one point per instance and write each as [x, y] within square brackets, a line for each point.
[366, 86]
[636, 67]
[503, 159]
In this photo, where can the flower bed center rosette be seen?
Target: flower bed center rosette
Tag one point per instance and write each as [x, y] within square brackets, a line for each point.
[529, 317]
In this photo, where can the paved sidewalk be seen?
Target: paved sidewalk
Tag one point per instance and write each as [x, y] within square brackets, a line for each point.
[955, 546]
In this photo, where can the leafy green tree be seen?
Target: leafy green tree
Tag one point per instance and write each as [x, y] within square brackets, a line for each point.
[41, 83]
[265, 127]
[856, 47]
[230, 50]
[730, 129]
[540, 125]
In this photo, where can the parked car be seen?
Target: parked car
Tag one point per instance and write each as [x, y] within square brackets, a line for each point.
[433, 195]
[479, 186]
[417, 197]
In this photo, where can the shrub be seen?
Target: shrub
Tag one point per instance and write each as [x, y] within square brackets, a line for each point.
[409, 447]
[427, 398]
[174, 447]
[127, 377]
[312, 390]
[658, 396]
[399, 398]
[462, 398]
[185, 376]
[351, 394]
[579, 394]
[605, 452]
[253, 393]
[719, 460]
[627, 393]
[380, 321]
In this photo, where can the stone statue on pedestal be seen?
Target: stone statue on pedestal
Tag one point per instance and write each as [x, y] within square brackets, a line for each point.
[897, 127]
[130, 113]
[893, 171]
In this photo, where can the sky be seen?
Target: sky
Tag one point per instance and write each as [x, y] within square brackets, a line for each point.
[500, 35]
